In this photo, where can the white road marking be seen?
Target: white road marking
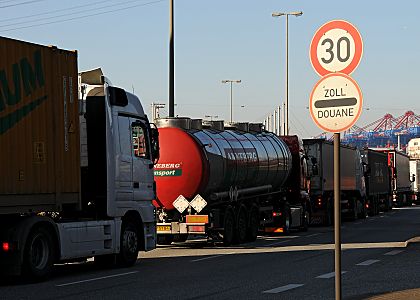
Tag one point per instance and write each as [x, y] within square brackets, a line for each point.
[368, 262]
[283, 288]
[277, 243]
[329, 275]
[314, 234]
[95, 279]
[394, 252]
[209, 257]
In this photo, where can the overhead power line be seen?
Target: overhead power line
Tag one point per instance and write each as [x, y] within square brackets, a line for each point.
[53, 11]
[72, 13]
[21, 3]
[85, 16]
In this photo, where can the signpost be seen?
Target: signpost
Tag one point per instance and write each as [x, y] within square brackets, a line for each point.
[336, 101]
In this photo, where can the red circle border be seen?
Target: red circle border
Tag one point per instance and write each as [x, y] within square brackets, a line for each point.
[336, 24]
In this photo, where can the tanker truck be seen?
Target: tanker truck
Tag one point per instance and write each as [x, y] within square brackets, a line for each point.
[76, 175]
[227, 183]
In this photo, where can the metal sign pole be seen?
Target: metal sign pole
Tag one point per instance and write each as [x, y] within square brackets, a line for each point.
[337, 216]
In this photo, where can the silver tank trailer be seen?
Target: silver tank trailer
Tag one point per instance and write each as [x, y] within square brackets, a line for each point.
[238, 158]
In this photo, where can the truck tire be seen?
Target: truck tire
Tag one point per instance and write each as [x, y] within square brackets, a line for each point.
[228, 227]
[254, 223]
[305, 220]
[287, 220]
[241, 225]
[129, 244]
[39, 254]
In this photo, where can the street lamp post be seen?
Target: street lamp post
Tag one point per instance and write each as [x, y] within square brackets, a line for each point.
[279, 14]
[171, 60]
[231, 108]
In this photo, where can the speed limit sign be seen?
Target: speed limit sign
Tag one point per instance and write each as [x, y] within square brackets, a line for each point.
[337, 46]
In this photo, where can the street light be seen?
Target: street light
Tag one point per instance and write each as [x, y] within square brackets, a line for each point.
[231, 82]
[279, 14]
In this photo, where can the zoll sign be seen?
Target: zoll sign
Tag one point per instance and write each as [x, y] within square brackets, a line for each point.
[337, 46]
[335, 102]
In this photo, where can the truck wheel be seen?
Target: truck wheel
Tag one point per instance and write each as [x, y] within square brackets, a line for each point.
[287, 220]
[39, 254]
[229, 227]
[241, 225]
[254, 223]
[305, 220]
[129, 244]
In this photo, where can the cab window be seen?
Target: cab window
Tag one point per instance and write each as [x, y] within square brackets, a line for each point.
[140, 144]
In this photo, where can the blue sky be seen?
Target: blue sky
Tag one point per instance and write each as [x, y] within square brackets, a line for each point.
[231, 39]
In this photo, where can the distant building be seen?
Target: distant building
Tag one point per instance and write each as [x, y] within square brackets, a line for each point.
[413, 148]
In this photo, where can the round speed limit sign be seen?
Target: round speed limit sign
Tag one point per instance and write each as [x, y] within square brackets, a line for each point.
[336, 47]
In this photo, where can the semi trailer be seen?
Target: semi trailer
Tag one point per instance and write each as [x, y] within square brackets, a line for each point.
[378, 181]
[227, 181]
[76, 164]
[399, 164]
[321, 169]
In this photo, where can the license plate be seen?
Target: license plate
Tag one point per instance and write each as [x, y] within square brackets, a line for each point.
[163, 228]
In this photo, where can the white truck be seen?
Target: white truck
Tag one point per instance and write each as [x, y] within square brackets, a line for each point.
[415, 180]
[76, 176]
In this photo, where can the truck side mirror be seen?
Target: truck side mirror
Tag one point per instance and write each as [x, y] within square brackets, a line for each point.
[154, 134]
[413, 177]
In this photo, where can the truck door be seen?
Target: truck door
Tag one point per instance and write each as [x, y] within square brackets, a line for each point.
[142, 161]
[124, 172]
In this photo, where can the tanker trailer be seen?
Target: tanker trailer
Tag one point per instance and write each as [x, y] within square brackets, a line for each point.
[223, 183]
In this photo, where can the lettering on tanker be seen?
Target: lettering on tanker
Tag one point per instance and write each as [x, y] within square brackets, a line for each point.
[168, 169]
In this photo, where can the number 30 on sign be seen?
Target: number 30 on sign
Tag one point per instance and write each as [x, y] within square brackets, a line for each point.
[337, 46]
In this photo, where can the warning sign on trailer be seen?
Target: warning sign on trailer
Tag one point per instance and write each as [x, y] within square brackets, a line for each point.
[335, 102]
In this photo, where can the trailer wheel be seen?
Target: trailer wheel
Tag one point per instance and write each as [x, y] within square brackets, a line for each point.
[229, 227]
[254, 223]
[39, 254]
[129, 244]
[241, 225]
[305, 220]
[287, 220]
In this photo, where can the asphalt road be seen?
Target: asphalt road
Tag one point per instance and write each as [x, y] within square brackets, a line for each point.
[379, 256]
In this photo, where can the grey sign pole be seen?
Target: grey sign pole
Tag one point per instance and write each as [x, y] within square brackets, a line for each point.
[337, 216]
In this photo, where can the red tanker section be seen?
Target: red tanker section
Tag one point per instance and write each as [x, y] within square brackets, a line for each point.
[181, 169]
[213, 163]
